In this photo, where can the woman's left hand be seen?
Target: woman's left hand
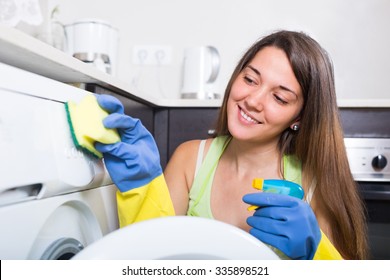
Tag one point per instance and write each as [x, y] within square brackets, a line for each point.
[284, 222]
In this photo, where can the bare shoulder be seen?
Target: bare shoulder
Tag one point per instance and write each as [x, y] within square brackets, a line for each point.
[189, 150]
[179, 174]
[183, 160]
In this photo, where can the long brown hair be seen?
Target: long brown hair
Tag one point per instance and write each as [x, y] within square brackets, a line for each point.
[319, 143]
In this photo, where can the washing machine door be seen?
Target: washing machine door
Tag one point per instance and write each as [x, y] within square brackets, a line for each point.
[178, 238]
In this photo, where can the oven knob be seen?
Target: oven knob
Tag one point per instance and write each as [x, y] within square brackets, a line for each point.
[379, 162]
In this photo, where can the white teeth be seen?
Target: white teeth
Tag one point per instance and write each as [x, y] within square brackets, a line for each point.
[249, 119]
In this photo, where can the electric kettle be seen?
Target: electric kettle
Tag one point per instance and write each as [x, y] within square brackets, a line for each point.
[200, 71]
[93, 41]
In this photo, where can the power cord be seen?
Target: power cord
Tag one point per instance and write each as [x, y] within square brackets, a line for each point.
[160, 55]
[142, 56]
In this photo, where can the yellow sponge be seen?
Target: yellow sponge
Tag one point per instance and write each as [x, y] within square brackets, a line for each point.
[86, 125]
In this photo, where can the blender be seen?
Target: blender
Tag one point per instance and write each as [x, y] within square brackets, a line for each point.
[93, 41]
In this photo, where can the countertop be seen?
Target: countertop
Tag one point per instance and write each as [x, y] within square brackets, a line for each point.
[24, 51]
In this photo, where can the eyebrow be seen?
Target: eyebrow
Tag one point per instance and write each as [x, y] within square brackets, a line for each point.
[280, 86]
[254, 70]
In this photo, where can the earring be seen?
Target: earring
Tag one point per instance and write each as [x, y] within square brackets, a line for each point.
[295, 127]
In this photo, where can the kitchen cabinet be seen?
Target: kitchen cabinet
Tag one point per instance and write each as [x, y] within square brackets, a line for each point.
[132, 107]
[174, 126]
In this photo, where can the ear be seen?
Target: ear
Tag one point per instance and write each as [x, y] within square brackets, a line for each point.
[295, 125]
[296, 121]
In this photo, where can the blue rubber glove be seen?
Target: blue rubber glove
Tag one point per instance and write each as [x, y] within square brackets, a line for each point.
[135, 161]
[286, 223]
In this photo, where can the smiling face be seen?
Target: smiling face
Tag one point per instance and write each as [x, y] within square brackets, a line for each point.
[265, 99]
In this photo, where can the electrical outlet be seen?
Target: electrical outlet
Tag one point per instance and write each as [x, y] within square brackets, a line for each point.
[152, 55]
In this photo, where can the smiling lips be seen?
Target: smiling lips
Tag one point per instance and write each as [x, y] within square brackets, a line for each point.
[247, 117]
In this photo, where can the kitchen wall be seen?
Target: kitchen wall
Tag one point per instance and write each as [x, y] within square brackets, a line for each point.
[356, 33]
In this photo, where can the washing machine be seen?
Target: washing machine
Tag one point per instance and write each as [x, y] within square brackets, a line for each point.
[179, 238]
[54, 200]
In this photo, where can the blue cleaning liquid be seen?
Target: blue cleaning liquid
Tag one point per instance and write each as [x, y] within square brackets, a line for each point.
[283, 187]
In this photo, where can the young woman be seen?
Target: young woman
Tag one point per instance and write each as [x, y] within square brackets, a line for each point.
[279, 120]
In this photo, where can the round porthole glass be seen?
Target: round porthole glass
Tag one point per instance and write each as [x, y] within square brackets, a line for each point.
[62, 249]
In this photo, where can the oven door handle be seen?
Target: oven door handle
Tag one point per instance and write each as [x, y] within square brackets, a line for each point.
[375, 195]
[374, 190]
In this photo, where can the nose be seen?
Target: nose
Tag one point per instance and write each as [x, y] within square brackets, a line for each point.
[256, 99]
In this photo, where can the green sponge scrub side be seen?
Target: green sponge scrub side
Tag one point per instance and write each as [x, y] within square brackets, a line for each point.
[86, 125]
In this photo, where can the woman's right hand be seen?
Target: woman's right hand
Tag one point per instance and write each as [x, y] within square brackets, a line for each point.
[134, 161]
[286, 223]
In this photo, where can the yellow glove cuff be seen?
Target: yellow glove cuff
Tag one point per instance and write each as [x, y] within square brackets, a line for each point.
[146, 202]
[326, 250]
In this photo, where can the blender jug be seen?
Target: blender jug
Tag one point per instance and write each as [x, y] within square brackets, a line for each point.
[93, 41]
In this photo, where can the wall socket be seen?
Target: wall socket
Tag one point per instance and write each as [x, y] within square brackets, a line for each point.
[152, 55]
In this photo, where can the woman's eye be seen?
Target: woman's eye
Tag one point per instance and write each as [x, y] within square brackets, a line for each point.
[280, 100]
[249, 80]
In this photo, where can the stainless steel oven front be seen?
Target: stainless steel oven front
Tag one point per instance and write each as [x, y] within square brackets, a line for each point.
[369, 160]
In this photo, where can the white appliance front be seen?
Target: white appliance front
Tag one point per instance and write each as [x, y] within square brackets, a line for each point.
[54, 199]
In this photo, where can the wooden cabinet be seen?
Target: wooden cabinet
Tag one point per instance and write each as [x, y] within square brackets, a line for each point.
[132, 107]
[174, 126]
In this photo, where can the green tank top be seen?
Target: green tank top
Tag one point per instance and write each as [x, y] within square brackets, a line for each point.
[200, 193]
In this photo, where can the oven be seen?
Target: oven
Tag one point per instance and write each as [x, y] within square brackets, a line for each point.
[369, 162]
[367, 140]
